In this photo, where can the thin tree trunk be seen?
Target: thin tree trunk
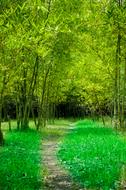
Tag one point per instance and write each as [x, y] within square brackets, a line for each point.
[116, 90]
[124, 96]
[27, 105]
[24, 124]
[41, 109]
[117, 101]
[33, 116]
[99, 110]
[18, 107]
[9, 123]
[1, 106]
[119, 79]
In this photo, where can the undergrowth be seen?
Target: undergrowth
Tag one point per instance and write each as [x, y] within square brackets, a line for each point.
[94, 155]
[20, 161]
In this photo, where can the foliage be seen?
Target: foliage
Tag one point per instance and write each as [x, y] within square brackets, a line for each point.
[37, 43]
[52, 50]
[94, 155]
[20, 161]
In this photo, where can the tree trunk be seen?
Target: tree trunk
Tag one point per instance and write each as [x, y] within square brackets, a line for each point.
[119, 79]
[41, 109]
[1, 106]
[117, 86]
[24, 123]
[124, 97]
[117, 99]
[1, 138]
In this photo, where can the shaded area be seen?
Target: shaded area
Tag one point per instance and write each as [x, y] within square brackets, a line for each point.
[54, 133]
[94, 131]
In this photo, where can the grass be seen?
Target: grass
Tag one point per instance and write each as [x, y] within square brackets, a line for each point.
[61, 122]
[54, 129]
[56, 123]
[5, 125]
[20, 158]
[94, 155]
[20, 161]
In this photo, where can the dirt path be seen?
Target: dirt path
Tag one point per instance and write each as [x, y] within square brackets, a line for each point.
[57, 178]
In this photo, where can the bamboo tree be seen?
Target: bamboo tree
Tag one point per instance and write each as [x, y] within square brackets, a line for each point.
[124, 97]
[1, 105]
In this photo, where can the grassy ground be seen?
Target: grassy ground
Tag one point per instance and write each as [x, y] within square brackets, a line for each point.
[54, 129]
[5, 125]
[94, 155]
[20, 160]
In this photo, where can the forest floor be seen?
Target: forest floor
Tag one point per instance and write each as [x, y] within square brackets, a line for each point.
[56, 177]
[95, 156]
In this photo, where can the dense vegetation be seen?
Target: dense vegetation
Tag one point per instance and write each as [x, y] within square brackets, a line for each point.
[20, 161]
[94, 155]
[58, 59]
[55, 52]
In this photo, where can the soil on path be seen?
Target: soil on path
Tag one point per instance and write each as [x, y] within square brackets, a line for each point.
[57, 177]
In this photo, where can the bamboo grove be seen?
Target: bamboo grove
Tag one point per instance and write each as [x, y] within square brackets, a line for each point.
[53, 49]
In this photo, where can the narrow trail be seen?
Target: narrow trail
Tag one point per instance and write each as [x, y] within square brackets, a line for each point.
[57, 177]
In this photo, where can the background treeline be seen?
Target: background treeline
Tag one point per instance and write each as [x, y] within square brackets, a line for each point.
[71, 107]
[51, 50]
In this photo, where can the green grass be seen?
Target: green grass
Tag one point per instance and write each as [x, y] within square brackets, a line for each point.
[61, 122]
[5, 125]
[54, 129]
[94, 155]
[20, 160]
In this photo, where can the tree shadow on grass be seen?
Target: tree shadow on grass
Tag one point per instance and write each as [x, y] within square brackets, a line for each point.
[52, 134]
[55, 133]
[94, 131]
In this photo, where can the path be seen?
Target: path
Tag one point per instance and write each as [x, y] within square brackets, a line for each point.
[57, 177]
